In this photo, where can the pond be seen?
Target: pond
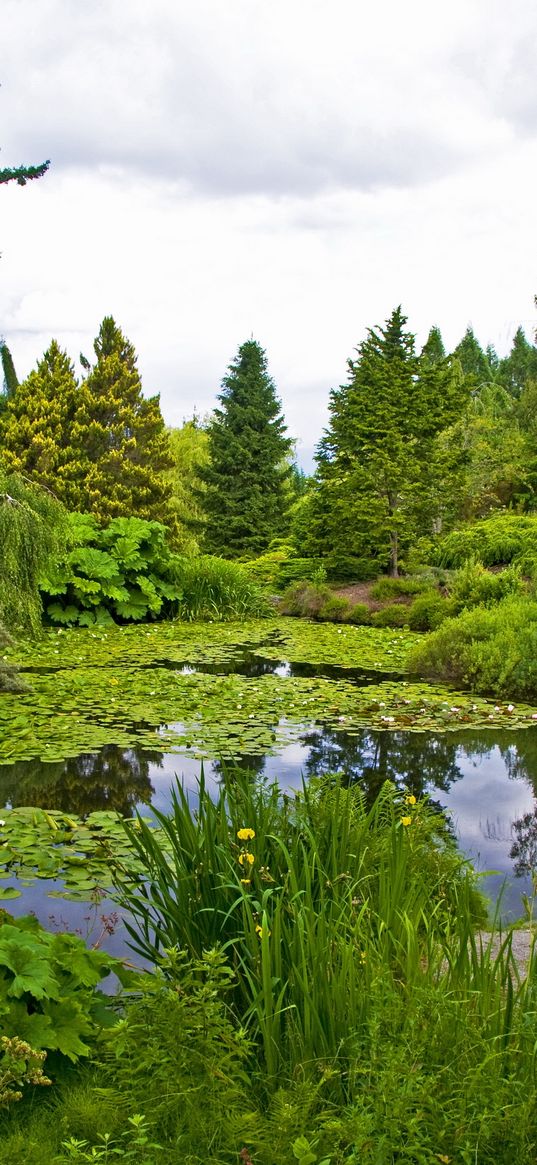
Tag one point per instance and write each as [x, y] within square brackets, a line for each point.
[111, 719]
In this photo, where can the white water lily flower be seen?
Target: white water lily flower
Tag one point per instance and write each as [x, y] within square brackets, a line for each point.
[510, 707]
[2, 823]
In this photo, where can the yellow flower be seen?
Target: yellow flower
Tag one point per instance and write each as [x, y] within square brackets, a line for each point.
[406, 821]
[260, 930]
[411, 800]
[246, 857]
[245, 834]
[246, 881]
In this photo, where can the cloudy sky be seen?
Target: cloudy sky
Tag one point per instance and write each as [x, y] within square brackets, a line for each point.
[289, 170]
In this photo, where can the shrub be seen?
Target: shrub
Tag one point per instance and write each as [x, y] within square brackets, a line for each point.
[359, 613]
[305, 599]
[280, 567]
[391, 588]
[119, 573]
[428, 611]
[335, 610]
[394, 615]
[472, 585]
[494, 541]
[212, 588]
[493, 649]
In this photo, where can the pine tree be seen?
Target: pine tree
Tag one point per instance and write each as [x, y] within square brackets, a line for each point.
[10, 381]
[37, 428]
[378, 458]
[122, 435]
[433, 349]
[245, 481]
[520, 366]
[472, 358]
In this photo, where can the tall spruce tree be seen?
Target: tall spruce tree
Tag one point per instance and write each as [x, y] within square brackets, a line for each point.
[433, 349]
[36, 432]
[378, 460]
[122, 435]
[520, 366]
[9, 376]
[472, 358]
[245, 493]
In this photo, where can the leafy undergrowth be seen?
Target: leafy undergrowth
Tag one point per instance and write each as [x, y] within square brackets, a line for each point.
[322, 1000]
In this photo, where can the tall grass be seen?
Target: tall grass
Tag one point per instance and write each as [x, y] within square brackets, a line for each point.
[215, 589]
[337, 896]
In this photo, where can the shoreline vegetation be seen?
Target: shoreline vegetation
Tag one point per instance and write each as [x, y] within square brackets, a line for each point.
[321, 984]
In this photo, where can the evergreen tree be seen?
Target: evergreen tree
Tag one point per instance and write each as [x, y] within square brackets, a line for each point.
[23, 174]
[37, 428]
[378, 459]
[520, 365]
[189, 448]
[122, 436]
[245, 481]
[433, 349]
[472, 358]
[10, 381]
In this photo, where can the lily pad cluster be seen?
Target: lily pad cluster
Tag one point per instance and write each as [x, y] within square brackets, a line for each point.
[49, 845]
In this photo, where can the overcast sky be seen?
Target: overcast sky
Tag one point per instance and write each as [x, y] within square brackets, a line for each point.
[290, 170]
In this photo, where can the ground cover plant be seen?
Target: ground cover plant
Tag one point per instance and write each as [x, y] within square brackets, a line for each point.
[497, 540]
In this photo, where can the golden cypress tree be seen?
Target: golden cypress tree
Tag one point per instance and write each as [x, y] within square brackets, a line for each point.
[121, 435]
[36, 434]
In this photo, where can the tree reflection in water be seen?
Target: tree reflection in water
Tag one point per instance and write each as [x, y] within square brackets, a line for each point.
[113, 778]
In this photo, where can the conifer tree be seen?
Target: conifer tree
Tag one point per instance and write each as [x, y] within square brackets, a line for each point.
[376, 460]
[433, 349]
[10, 381]
[520, 366]
[245, 492]
[122, 435]
[36, 434]
[472, 358]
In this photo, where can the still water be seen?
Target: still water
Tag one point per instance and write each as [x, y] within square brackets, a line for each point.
[486, 781]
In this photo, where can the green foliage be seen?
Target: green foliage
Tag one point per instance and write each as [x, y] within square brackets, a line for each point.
[336, 609]
[177, 1044]
[305, 599]
[9, 375]
[359, 613]
[391, 588]
[428, 611]
[245, 483]
[32, 531]
[20, 1066]
[520, 366]
[37, 434]
[122, 435]
[309, 898]
[392, 615]
[123, 572]
[132, 1144]
[212, 588]
[494, 541]
[10, 681]
[372, 492]
[492, 649]
[189, 450]
[23, 174]
[472, 585]
[48, 988]
[281, 566]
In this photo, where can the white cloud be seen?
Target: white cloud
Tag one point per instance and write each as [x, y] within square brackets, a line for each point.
[290, 170]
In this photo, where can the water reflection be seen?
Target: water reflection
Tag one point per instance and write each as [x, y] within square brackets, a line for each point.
[486, 780]
[113, 778]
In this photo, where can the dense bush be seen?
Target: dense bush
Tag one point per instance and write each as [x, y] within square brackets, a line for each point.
[493, 649]
[281, 566]
[393, 615]
[494, 541]
[392, 588]
[428, 611]
[472, 585]
[127, 573]
[119, 573]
